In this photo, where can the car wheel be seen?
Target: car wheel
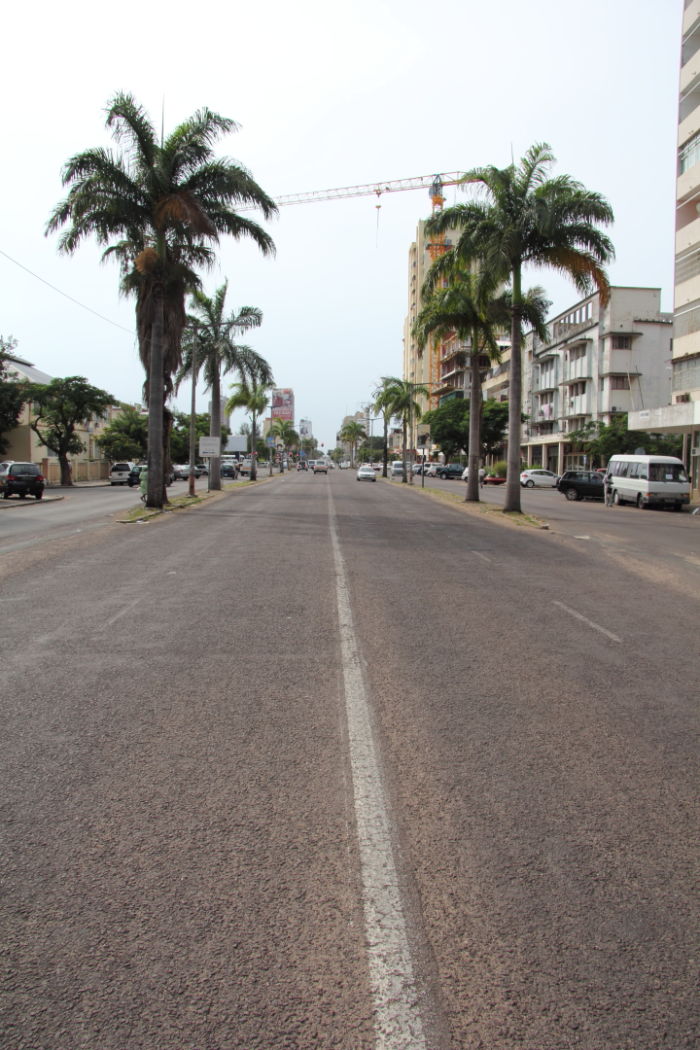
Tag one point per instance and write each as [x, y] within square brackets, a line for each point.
[617, 499]
[23, 495]
[38, 495]
[571, 494]
[529, 484]
[640, 502]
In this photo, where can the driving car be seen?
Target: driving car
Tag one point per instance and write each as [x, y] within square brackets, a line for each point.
[366, 473]
[320, 467]
[449, 471]
[581, 484]
[537, 477]
[120, 472]
[21, 479]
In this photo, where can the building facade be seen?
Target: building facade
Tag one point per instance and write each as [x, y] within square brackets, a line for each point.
[600, 361]
[680, 413]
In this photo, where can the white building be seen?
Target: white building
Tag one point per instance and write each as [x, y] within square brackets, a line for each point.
[599, 361]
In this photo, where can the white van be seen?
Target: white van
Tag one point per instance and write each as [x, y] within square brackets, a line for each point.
[648, 481]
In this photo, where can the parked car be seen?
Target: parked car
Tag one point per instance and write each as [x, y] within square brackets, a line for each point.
[494, 479]
[449, 471]
[228, 470]
[581, 484]
[320, 467]
[21, 479]
[367, 473]
[396, 469]
[246, 466]
[536, 477]
[120, 473]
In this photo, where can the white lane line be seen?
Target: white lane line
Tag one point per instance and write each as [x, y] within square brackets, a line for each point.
[397, 1015]
[482, 556]
[122, 612]
[591, 623]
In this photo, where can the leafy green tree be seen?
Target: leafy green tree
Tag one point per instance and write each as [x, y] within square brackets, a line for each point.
[253, 395]
[599, 441]
[471, 307]
[352, 433]
[126, 436]
[209, 346]
[494, 425]
[159, 208]
[180, 434]
[59, 409]
[528, 219]
[12, 393]
[371, 449]
[450, 426]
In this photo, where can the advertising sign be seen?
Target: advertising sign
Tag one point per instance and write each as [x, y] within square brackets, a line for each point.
[209, 446]
[283, 404]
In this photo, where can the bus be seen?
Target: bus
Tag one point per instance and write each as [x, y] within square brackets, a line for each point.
[648, 481]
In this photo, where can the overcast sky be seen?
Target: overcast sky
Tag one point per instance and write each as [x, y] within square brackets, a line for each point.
[330, 95]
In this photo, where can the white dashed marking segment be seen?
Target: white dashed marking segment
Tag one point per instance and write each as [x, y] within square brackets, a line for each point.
[397, 1016]
[591, 623]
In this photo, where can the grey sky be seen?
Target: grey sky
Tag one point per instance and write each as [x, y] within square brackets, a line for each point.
[331, 95]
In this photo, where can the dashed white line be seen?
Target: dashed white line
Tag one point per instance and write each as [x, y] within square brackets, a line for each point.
[590, 623]
[398, 1021]
[482, 556]
[122, 612]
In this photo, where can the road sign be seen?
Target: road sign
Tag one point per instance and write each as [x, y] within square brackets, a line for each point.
[209, 446]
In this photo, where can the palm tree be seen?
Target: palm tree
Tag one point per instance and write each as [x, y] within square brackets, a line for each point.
[352, 433]
[283, 429]
[208, 343]
[252, 394]
[383, 404]
[401, 397]
[471, 308]
[529, 219]
[159, 207]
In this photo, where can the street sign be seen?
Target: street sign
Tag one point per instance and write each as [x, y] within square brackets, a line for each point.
[209, 446]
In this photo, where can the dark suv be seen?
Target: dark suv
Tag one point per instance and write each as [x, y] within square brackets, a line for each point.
[581, 484]
[21, 479]
[450, 471]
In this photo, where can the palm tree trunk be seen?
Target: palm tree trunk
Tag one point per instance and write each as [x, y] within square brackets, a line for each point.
[385, 459]
[155, 494]
[253, 449]
[512, 496]
[474, 456]
[215, 430]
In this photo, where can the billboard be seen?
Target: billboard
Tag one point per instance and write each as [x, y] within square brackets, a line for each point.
[283, 404]
[304, 428]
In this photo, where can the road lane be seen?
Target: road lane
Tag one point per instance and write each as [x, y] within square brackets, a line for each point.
[181, 860]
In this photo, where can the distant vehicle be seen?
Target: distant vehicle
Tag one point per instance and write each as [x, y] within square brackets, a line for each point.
[449, 471]
[120, 472]
[649, 481]
[536, 477]
[367, 473]
[302, 465]
[344, 464]
[320, 467]
[396, 469]
[581, 484]
[228, 470]
[246, 466]
[21, 479]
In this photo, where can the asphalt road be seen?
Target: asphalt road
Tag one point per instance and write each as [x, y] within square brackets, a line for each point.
[326, 764]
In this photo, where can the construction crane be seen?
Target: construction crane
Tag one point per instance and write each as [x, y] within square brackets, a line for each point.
[370, 189]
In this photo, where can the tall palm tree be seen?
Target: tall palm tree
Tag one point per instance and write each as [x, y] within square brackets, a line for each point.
[283, 429]
[253, 395]
[352, 433]
[208, 342]
[471, 308]
[529, 219]
[401, 395]
[159, 207]
[383, 404]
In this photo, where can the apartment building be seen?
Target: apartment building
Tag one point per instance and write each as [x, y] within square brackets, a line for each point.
[599, 361]
[680, 413]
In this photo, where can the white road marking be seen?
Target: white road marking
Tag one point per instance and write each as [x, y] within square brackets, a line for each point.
[482, 556]
[122, 612]
[397, 1015]
[591, 623]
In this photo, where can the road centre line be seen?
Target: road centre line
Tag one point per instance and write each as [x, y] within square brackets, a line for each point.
[122, 612]
[397, 1015]
[590, 623]
[482, 556]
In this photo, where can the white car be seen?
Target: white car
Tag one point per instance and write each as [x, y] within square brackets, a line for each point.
[119, 474]
[366, 473]
[536, 477]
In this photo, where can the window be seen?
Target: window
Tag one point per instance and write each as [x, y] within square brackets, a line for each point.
[622, 342]
[619, 383]
[689, 154]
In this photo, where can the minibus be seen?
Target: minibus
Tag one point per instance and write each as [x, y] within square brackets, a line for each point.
[648, 481]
